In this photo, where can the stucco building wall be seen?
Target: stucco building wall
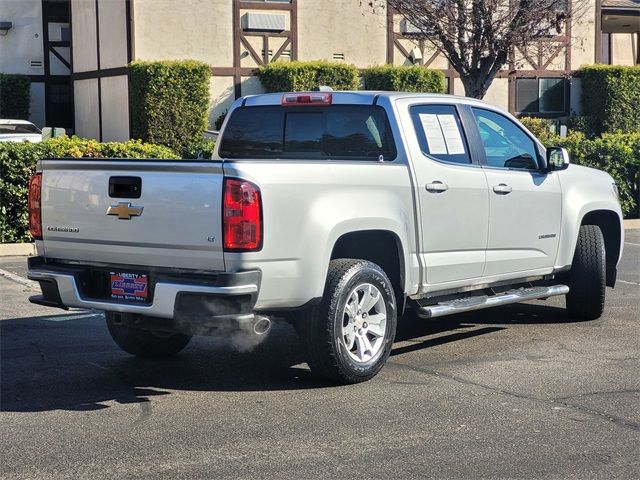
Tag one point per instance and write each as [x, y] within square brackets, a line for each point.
[107, 34]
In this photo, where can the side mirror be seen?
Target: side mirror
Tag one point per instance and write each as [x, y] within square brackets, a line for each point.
[557, 159]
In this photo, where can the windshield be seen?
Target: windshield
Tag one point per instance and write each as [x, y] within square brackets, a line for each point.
[18, 128]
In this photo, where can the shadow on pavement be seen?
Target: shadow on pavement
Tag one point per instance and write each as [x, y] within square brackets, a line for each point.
[69, 362]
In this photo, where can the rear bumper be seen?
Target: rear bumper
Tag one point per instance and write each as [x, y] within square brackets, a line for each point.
[175, 293]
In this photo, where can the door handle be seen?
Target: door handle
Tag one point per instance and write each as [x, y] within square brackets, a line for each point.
[436, 187]
[502, 189]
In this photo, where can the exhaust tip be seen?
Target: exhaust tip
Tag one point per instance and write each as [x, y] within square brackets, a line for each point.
[261, 326]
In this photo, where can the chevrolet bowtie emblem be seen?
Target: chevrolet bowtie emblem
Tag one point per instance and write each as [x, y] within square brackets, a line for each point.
[124, 211]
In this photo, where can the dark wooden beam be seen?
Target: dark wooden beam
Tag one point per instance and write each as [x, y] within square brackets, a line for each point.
[251, 50]
[59, 56]
[390, 36]
[237, 35]
[598, 28]
[105, 72]
[282, 48]
[262, 5]
[294, 29]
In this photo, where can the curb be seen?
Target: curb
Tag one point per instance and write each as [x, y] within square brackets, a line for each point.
[632, 224]
[18, 279]
[17, 249]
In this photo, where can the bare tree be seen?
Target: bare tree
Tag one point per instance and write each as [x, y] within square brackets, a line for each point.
[477, 36]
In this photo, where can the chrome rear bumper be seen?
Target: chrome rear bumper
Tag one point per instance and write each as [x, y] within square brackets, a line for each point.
[172, 294]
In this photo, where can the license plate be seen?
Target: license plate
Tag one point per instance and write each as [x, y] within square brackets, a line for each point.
[131, 287]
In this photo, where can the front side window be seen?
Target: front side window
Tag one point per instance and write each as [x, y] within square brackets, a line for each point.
[354, 132]
[440, 133]
[505, 144]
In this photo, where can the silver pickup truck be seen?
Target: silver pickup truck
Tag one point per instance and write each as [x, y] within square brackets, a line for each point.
[335, 210]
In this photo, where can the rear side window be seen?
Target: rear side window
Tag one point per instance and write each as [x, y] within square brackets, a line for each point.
[356, 132]
[440, 133]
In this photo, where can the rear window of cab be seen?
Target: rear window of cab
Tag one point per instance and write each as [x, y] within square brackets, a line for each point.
[352, 132]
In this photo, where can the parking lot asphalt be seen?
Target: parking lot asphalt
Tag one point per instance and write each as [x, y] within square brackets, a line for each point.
[520, 391]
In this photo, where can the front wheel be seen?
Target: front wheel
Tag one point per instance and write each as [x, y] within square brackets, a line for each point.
[588, 275]
[350, 335]
[145, 343]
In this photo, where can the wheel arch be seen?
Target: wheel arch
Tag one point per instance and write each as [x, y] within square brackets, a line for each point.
[382, 247]
[609, 223]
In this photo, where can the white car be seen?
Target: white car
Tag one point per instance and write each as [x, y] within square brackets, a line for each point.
[334, 210]
[19, 131]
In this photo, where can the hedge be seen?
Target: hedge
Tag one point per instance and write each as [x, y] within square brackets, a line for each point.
[618, 154]
[18, 161]
[15, 96]
[540, 127]
[169, 102]
[304, 76]
[611, 98]
[404, 79]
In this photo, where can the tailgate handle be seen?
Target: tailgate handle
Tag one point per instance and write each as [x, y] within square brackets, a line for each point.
[125, 187]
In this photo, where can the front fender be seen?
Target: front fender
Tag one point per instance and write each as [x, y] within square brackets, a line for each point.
[584, 190]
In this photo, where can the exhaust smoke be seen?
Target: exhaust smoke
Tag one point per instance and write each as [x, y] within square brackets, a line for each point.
[250, 333]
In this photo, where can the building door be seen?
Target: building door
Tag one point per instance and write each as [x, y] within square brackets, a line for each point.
[56, 29]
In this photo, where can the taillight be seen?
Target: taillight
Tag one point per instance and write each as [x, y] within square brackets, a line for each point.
[35, 215]
[241, 215]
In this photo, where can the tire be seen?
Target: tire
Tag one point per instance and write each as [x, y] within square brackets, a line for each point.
[145, 343]
[337, 352]
[587, 277]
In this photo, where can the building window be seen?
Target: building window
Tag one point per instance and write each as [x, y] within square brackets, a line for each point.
[65, 34]
[541, 95]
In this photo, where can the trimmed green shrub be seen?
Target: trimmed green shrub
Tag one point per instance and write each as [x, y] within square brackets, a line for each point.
[18, 161]
[202, 149]
[618, 154]
[169, 102]
[580, 123]
[404, 79]
[15, 96]
[611, 98]
[305, 76]
[540, 127]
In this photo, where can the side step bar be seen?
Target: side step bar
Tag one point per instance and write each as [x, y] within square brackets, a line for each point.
[485, 301]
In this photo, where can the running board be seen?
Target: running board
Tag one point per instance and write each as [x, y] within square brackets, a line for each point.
[484, 301]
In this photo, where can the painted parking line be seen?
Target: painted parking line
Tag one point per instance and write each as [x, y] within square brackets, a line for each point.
[74, 316]
[625, 281]
[634, 244]
[18, 279]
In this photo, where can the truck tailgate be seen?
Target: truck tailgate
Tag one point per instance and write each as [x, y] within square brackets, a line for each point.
[179, 224]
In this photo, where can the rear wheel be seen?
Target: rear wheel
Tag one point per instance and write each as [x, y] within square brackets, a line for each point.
[587, 277]
[350, 335]
[145, 343]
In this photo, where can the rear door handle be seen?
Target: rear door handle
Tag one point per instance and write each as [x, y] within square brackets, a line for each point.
[436, 187]
[502, 189]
